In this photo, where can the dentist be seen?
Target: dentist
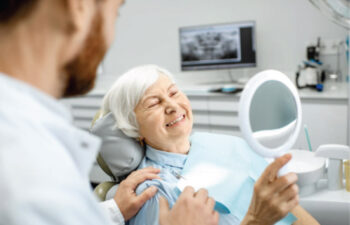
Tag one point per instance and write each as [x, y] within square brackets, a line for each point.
[50, 49]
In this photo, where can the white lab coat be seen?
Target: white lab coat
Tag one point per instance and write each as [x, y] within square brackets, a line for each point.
[45, 162]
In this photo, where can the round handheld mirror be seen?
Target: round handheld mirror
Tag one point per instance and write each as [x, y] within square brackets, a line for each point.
[270, 114]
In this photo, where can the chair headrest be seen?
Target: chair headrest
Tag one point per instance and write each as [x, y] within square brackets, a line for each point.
[121, 153]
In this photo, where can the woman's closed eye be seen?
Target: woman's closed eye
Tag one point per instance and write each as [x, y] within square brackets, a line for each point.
[152, 103]
[173, 92]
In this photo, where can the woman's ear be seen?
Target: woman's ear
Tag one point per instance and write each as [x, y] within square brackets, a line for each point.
[141, 141]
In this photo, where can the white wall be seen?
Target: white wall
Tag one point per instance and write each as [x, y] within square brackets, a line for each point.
[147, 32]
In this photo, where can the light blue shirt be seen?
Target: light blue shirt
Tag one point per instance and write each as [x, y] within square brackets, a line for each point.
[45, 162]
[171, 164]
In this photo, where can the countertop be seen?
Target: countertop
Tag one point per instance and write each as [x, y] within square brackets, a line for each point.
[328, 207]
[322, 194]
[338, 92]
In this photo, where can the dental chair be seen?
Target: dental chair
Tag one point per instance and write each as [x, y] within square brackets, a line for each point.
[119, 154]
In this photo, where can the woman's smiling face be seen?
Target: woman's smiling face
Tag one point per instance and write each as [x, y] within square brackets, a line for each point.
[164, 114]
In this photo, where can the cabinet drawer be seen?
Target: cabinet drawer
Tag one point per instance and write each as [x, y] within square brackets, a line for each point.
[224, 119]
[89, 101]
[201, 118]
[83, 124]
[224, 104]
[82, 113]
[199, 103]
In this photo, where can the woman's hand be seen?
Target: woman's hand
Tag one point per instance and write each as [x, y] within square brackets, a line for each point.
[128, 202]
[273, 196]
[190, 209]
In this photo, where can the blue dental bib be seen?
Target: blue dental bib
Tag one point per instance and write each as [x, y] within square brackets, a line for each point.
[228, 168]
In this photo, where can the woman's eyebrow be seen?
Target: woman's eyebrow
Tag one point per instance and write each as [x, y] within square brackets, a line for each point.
[172, 85]
[145, 98]
[148, 97]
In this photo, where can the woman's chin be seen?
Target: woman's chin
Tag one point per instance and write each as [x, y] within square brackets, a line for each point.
[180, 131]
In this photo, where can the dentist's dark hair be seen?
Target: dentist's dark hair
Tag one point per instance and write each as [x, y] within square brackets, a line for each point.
[12, 10]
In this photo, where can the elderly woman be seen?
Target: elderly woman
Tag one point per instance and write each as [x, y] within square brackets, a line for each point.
[148, 106]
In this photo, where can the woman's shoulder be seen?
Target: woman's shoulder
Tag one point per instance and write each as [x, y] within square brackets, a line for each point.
[164, 188]
[165, 185]
[149, 183]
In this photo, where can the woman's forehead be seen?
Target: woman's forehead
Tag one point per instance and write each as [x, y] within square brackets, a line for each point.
[162, 84]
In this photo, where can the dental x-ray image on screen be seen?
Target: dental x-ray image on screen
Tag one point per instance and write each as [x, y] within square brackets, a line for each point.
[217, 46]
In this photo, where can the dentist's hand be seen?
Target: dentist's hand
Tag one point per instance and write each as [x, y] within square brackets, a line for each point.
[190, 209]
[273, 196]
[128, 202]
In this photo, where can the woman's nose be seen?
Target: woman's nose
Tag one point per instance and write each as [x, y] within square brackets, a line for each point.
[170, 107]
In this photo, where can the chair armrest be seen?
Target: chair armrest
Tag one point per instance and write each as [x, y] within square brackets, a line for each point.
[102, 189]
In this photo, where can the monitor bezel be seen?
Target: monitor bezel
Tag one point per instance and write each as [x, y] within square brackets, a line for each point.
[224, 66]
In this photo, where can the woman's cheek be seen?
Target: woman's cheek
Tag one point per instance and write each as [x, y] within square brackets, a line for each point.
[154, 117]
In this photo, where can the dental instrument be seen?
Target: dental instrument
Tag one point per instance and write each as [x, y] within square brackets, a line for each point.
[307, 137]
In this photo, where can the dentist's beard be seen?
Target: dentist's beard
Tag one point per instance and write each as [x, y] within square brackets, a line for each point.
[81, 72]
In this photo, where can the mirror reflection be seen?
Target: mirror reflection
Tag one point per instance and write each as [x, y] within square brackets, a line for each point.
[273, 114]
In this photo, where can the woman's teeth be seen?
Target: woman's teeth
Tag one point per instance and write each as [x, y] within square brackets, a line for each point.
[175, 121]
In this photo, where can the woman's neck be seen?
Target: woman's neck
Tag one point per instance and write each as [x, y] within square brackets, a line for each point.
[180, 147]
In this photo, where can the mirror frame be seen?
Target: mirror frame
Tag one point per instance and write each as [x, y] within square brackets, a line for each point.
[244, 111]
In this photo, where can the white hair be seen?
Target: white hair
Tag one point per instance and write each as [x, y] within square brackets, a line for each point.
[126, 93]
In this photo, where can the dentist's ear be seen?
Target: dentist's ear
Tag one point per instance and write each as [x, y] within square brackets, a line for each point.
[79, 14]
[73, 21]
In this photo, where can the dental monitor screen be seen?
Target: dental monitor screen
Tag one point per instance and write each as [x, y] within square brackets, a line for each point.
[218, 46]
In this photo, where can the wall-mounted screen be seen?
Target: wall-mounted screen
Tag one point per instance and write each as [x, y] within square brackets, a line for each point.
[218, 46]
